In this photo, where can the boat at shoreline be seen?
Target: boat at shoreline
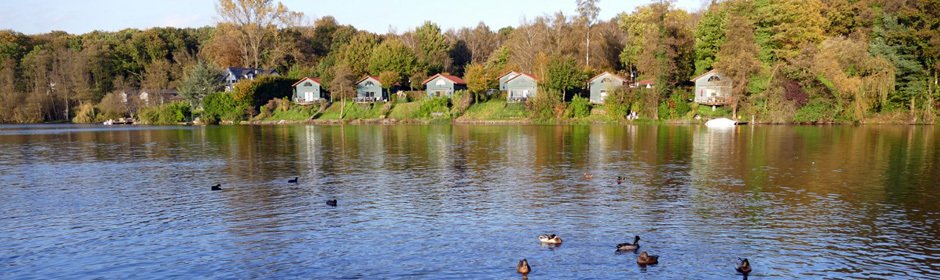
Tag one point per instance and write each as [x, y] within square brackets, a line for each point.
[721, 123]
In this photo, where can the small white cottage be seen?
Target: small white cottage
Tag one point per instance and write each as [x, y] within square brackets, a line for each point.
[712, 88]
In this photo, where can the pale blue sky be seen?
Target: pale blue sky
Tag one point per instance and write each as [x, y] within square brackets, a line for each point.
[32, 17]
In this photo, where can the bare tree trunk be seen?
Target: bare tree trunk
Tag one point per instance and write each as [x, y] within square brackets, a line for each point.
[734, 109]
[342, 110]
[587, 49]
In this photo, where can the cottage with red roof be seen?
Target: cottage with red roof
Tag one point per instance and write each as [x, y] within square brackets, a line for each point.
[369, 89]
[443, 85]
[307, 90]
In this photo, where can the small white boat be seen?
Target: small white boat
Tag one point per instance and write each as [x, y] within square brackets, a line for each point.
[721, 123]
[109, 122]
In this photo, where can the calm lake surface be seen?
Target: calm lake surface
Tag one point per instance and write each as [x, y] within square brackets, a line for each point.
[467, 201]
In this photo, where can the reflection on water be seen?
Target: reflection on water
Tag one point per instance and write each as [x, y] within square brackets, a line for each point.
[468, 201]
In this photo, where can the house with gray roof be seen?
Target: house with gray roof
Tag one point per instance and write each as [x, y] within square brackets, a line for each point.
[235, 74]
[602, 84]
[712, 88]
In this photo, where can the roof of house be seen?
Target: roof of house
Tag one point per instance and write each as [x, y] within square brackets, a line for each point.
[713, 71]
[452, 78]
[523, 74]
[507, 73]
[315, 80]
[367, 77]
[241, 72]
[646, 82]
[606, 73]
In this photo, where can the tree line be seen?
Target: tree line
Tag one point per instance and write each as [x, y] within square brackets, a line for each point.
[790, 60]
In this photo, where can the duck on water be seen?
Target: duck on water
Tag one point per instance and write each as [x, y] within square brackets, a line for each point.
[550, 239]
[629, 247]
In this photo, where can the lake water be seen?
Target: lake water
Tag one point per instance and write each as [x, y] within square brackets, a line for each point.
[467, 201]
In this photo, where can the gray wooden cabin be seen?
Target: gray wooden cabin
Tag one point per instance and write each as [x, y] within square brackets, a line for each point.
[521, 87]
[712, 88]
[307, 90]
[504, 78]
[443, 85]
[369, 89]
[602, 84]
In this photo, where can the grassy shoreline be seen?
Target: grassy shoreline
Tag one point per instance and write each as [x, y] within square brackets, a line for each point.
[460, 110]
[498, 112]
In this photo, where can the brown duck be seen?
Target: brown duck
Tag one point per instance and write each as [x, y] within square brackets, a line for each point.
[523, 267]
[647, 259]
[744, 267]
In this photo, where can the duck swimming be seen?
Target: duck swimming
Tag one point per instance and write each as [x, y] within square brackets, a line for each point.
[647, 259]
[217, 187]
[292, 181]
[523, 267]
[625, 247]
[744, 267]
[619, 180]
[588, 176]
[331, 202]
[550, 239]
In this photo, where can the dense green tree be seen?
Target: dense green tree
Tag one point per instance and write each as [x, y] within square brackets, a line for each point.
[356, 55]
[202, 80]
[709, 36]
[392, 55]
[786, 27]
[663, 46]
[479, 79]
[563, 76]
[389, 80]
[432, 48]
[737, 58]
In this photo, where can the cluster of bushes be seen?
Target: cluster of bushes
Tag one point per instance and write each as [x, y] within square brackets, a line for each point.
[221, 106]
[676, 106]
[428, 106]
[167, 114]
[461, 102]
[579, 107]
[86, 113]
[256, 93]
[545, 106]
